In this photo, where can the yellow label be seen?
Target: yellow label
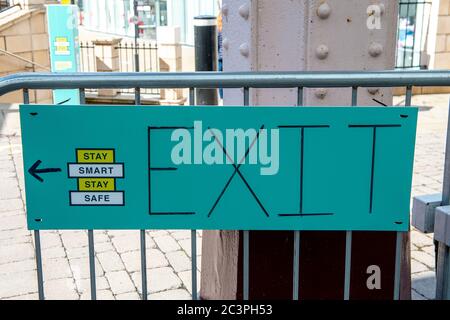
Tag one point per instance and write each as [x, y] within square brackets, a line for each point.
[96, 184]
[61, 39]
[95, 156]
[65, 2]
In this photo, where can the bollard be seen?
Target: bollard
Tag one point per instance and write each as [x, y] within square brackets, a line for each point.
[205, 34]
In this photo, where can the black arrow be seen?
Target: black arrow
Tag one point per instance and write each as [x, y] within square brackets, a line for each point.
[34, 170]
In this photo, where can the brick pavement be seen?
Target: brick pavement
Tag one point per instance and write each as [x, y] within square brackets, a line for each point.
[65, 253]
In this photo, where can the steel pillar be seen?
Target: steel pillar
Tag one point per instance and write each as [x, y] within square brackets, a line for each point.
[306, 35]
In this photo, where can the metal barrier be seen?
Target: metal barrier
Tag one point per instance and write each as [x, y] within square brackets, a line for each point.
[148, 59]
[243, 80]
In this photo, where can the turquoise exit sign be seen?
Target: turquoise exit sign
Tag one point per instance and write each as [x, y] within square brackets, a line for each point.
[250, 168]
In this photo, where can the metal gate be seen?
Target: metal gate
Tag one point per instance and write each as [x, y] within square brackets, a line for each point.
[246, 82]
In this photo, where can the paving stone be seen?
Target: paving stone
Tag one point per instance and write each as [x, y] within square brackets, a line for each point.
[166, 243]
[425, 284]
[9, 189]
[155, 259]
[74, 253]
[181, 234]
[60, 289]
[4, 214]
[179, 260]
[128, 296]
[417, 266]
[126, 243]
[54, 252]
[186, 245]
[10, 204]
[57, 268]
[17, 233]
[110, 261]
[74, 239]
[177, 294]
[186, 277]
[159, 279]
[419, 239]
[429, 249]
[30, 296]
[16, 240]
[417, 296]
[103, 247]
[80, 267]
[424, 258]
[101, 295]
[18, 266]
[50, 240]
[120, 282]
[84, 285]
[13, 222]
[17, 284]
[16, 252]
[158, 233]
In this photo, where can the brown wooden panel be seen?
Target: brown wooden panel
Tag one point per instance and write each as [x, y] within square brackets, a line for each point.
[372, 248]
[322, 265]
[271, 254]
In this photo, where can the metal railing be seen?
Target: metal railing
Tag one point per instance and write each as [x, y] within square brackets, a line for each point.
[246, 81]
[148, 60]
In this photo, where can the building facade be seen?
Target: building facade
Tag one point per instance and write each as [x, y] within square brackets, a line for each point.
[117, 16]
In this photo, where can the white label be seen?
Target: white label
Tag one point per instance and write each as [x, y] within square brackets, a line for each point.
[112, 198]
[78, 170]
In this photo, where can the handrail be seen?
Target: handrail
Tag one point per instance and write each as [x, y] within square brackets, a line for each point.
[223, 79]
[25, 60]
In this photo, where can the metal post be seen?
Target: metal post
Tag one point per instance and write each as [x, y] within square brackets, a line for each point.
[137, 91]
[194, 263]
[442, 250]
[246, 263]
[354, 96]
[348, 264]
[295, 275]
[205, 37]
[408, 96]
[143, 265]
[40, 277]
[300, 96]
[443, 273]
[398, 265]
[92, 264]
[26, 96]
[82, 96]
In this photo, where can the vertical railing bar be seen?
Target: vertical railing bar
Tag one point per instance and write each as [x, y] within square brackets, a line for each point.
[246, 96]
[137, 96]
[245, 233]
[26, 96]
[246, 263]
[192, 96]
[398, 260]
[300, 96]
[354, 96]
[143, 265]
[193, 231]
[194, 263]
[408, 96]
[82, 96]
[92, 264]
[295, 275]
[296, 262]
[40, 277]
[348, 264]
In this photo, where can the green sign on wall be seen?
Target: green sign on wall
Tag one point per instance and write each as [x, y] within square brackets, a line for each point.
[248, 168]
